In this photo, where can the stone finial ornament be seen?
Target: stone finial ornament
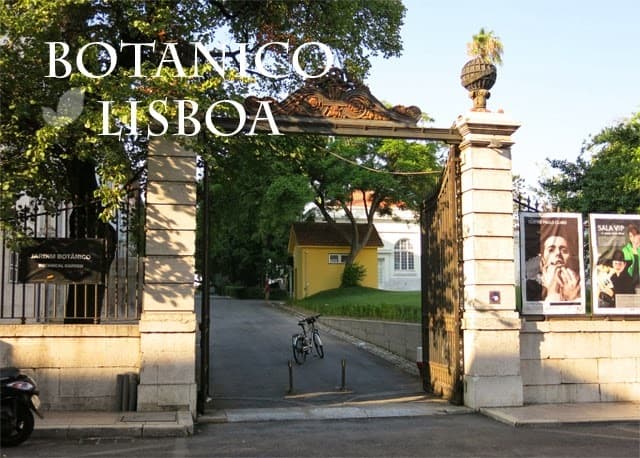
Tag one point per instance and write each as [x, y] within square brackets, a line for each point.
[478, 77]
[479, 74]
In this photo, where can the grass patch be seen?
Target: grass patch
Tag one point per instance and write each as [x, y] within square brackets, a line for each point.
[365, 303]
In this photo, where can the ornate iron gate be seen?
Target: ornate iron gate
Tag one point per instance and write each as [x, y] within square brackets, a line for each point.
[442, 286]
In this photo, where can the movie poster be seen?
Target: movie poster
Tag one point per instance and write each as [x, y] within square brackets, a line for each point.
[551, 263]
[615, 249]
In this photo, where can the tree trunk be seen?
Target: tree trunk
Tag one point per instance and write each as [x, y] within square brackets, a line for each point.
[84, 302]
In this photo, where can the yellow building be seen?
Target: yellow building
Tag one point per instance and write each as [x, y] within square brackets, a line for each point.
[319, 252]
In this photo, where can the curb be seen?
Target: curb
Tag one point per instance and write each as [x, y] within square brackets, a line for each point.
[182, 426]
[557, 415]
[346, 412]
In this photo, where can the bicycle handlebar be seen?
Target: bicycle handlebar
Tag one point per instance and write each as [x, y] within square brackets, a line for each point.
[309, 319]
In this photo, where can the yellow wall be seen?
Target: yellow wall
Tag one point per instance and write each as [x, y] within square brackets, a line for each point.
[313, 273]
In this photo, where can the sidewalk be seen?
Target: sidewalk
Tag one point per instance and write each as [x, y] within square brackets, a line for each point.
[86, 424]
[77, 425]
[533, 415]
[558, 414]
[399, 407]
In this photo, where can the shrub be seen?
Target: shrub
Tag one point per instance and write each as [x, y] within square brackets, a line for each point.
[353, 275]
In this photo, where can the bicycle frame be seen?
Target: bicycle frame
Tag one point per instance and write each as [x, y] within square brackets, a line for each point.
[308, 346]
[308, 341]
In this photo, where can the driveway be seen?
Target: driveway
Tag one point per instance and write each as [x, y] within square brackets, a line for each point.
[250, 355]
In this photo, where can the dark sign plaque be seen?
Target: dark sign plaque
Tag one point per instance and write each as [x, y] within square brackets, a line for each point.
[63, 261]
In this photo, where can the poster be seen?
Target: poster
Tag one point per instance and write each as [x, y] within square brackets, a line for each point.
[552, 263]
[615, 249]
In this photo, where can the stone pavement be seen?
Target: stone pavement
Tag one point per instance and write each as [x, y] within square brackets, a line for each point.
[77, 425]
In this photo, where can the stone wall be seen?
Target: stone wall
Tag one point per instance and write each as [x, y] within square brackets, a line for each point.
[580, 360]
[562, 360]
[75, 366]
[401, 339]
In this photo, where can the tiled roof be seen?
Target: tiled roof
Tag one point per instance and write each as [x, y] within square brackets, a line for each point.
[324, 234]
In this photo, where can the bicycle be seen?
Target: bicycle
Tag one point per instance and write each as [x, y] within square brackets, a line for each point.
[307, 341]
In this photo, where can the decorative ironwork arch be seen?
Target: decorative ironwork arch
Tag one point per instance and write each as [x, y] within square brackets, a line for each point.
[334, 96]
[335, 105]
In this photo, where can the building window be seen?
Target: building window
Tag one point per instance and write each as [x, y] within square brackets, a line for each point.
[403, 255]
[336, 258]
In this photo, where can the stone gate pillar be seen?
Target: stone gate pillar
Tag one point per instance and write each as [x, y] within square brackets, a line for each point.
[490, 322]
[168, 323]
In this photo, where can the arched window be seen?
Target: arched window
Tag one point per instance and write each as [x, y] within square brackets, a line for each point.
[403, 255]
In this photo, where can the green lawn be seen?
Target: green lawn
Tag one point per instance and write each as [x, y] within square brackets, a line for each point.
[358, 302]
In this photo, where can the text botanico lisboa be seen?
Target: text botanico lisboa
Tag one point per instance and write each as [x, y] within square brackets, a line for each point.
[187, 109]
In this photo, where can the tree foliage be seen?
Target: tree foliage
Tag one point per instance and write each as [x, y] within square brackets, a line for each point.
[606, 175]
[39, 158]
[255, 196]
[381, 173]
[262, 192]
[487, 46]
[46, 160]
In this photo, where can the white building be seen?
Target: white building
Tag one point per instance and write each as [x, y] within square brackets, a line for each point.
[399, 259]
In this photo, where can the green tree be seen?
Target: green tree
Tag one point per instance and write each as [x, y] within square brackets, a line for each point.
[44, 159]
[253, 204]
[380, 173]
[606, 175]
[283, 203]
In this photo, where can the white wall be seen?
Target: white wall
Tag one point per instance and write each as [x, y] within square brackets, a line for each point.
[388, 278]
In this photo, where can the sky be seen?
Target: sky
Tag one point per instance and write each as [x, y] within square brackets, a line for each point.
[570, 68]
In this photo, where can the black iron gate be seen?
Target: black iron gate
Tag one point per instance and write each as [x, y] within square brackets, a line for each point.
[53, 279]
[442, 285]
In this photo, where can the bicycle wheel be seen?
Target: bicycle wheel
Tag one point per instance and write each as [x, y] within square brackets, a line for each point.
[317, 343]
[299, 355]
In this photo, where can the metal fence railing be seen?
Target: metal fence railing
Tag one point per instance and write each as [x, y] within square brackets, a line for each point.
[49, 294]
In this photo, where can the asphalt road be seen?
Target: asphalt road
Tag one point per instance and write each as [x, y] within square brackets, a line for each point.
[462, 435]
[250, 355]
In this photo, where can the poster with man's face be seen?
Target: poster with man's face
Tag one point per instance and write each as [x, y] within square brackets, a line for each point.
[552, 264]
[615, 253]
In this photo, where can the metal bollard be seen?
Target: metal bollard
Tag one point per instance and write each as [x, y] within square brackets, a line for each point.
[290, 377]
[343, 387]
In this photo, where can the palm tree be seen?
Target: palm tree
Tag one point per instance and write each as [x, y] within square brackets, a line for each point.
[486, 46]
